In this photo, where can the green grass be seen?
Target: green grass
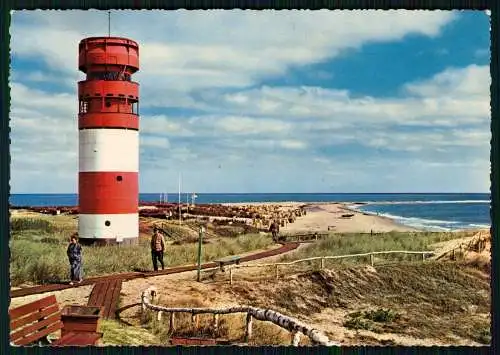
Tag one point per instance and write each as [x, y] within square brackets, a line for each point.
[116, 334]
[38, 253]
[356, 243]
[370, 320]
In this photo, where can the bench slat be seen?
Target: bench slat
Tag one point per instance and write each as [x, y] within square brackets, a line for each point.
[81, 327]
[32, 307]
[29, 339]
[110, 312]
[96, 290]
[81, 339]
[64, 339]
[102, 294]
[14, 324]
[35, 327]
[108, 298]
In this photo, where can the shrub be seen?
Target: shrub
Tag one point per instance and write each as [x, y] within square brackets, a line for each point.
[24, 224]
[368, 319]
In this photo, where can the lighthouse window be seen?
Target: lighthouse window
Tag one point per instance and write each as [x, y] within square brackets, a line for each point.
[107, 223]
[135, 108]
[108, 103]
[119, 178]
[109, 75]
[83, 106]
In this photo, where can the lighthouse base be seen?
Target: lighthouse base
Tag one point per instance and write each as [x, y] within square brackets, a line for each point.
[108, 241]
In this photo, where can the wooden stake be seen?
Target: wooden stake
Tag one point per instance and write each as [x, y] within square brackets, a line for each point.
[216, 324]
[248, 330]
[172, 322]
[295, 338]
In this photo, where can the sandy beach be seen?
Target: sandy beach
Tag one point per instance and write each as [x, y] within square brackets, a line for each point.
[322, 217]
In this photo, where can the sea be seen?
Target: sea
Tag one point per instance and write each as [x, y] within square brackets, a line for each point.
[431, 211]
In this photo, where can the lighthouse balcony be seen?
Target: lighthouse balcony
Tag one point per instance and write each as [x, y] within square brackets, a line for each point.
[108, 88]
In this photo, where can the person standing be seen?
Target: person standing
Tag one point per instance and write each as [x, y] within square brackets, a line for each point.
[74, 253]
[157, 249]
[274, 229]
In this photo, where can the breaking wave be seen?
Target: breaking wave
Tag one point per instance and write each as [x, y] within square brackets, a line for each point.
[427, 224]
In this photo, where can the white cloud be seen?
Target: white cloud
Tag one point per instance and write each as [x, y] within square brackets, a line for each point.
[455, 82]
[245, 125]
[162, 124]
[155, 142]
[195, 50]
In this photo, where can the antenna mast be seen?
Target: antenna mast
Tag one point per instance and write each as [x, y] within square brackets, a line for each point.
[109, 23]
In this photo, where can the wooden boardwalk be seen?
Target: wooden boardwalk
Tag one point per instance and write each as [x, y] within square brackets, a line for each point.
[285, 247]
[106, 294]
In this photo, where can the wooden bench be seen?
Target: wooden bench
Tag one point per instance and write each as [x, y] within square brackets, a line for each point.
[33, 322]
[228, 261]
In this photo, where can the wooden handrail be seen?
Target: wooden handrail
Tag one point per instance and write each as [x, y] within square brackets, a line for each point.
[322, 259]
[294, 326]
[335, 257]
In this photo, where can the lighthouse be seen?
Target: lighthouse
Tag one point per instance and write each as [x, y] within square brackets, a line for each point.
[108, 124]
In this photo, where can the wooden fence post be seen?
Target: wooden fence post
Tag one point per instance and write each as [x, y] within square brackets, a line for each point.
[158, 316]
[371, 259]
[172, 322]
[322, 263]
[216, 324]
[143, 308]
[295, 338]
[231, 276]
[276, 271]
[195, 320]
[248, 330]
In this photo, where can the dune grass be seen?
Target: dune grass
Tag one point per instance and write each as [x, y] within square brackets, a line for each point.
[38, 252]
[358, 243]
[117, 334]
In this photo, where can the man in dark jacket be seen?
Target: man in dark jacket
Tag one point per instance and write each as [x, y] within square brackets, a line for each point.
[157, 249]
[74, 253]
[274, 229]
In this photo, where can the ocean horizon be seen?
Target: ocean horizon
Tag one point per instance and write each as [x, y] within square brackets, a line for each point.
[430, 211]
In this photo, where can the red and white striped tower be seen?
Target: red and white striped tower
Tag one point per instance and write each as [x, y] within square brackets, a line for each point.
[108, 122]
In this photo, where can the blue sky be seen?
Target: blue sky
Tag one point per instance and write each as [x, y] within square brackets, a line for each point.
[249, 101]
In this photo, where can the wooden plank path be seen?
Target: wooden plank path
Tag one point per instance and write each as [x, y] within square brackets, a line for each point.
[285, 247]
[106, 294]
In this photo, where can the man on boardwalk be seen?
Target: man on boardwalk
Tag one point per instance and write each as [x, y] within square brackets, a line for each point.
[74, 253]
[157, 249]
[274, 229]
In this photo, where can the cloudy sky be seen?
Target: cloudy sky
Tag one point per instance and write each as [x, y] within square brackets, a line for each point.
[265, 101]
